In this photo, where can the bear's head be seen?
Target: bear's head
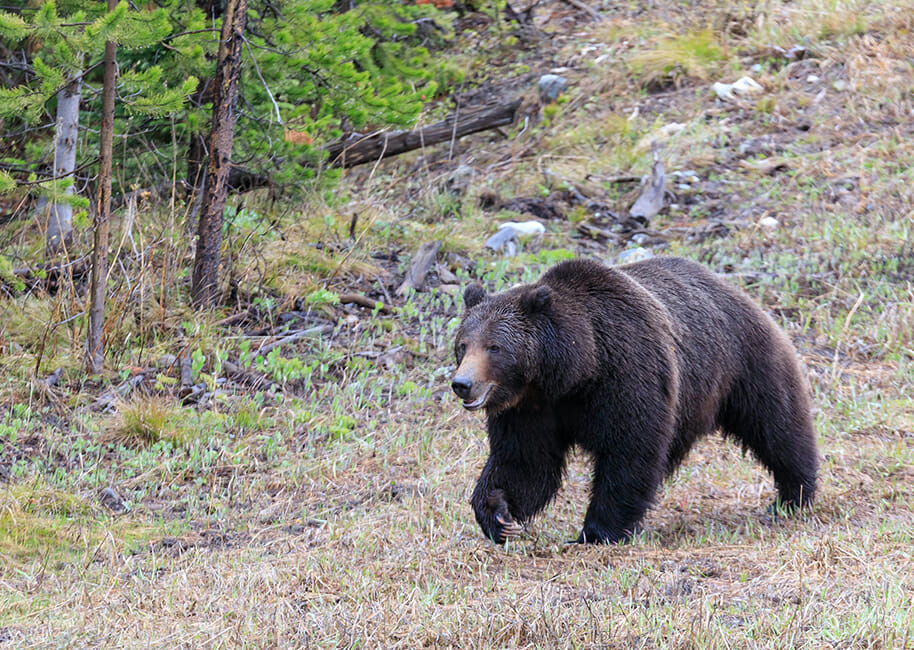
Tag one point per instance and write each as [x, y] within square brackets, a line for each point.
[499, 346]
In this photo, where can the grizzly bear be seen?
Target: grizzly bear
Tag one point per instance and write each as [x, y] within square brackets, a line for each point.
[632, 364]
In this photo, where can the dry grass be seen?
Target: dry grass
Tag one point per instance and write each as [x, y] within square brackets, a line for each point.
[677, 57]
[331, 510]
[402, 565]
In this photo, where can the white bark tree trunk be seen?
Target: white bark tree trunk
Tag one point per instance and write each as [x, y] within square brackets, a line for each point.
[60, 214]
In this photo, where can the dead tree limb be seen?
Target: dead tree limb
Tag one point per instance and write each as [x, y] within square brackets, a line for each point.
[418, 270]
[585, 8]
[358, 149]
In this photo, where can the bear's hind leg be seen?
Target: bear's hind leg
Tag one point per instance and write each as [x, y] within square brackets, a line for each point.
[774, 421]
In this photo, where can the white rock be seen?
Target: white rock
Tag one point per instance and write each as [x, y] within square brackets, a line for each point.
[669, 130]
[742, 87]
[510, 231]
[747, 86]
[525, 228]
[768, 222]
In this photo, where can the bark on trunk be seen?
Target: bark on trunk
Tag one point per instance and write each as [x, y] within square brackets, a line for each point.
[196, 151]
[358, 149]
[60, 215]
[205, 278]
[95, 343]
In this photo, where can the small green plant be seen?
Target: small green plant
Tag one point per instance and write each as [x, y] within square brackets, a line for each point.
[341, 427]
[322, 297]
[284, 369]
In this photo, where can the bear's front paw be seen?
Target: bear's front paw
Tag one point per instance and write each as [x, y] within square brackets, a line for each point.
[495, 518]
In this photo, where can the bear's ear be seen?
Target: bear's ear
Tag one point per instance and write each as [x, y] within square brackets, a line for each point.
[536, 300]
[473, 295]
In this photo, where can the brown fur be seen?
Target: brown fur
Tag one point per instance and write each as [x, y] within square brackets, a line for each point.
[632, 364]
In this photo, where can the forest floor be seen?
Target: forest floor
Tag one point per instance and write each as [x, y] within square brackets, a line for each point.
[315, 493]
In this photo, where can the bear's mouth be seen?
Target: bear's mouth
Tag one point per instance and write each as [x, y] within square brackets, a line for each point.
[479, 402]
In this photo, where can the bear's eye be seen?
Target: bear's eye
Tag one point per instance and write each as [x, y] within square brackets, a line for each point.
[461, 349]
[493, 349]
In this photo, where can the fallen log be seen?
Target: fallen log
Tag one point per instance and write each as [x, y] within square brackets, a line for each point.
[358, 148]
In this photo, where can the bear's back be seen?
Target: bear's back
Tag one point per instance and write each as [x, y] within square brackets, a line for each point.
[700, 303]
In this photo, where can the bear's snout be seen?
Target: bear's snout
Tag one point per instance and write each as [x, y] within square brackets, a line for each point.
[462, 387]
[471, 381]
[473, 392]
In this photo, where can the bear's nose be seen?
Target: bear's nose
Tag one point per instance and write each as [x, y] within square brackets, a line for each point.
[462, 386]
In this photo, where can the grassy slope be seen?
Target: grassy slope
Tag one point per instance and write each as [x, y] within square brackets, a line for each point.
[338, 515]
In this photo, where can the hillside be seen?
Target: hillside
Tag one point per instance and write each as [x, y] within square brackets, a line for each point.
[305, 482]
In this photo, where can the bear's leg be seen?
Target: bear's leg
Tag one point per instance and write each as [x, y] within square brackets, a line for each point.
[623, 489]
[517, 482]
[772, 419]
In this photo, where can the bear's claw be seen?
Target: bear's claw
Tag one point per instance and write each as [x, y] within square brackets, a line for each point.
[510, 529]
[495, 518]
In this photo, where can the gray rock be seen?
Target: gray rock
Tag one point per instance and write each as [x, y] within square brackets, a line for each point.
[458, 181]
[166, 361]
[506, 238]
[551, 86]
[111, 500]
[634, 255]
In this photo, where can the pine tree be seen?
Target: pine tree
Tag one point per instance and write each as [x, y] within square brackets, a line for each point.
[65, 43]
[60, 49]
[310, 70]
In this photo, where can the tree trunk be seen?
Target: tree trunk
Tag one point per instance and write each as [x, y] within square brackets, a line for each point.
[196, 150]
[60, 215]
[95, 344]
[209, 228]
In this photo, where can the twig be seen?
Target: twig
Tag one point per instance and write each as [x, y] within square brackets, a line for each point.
[613, 179]
[364, 301]
[107, 401]
[233, 319]
[246, 377]
[292, 337]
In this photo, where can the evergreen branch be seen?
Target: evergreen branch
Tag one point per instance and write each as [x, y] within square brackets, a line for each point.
[12, 27]
[105, 27]
[171, 37]
[7, 183]
[45, 176]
